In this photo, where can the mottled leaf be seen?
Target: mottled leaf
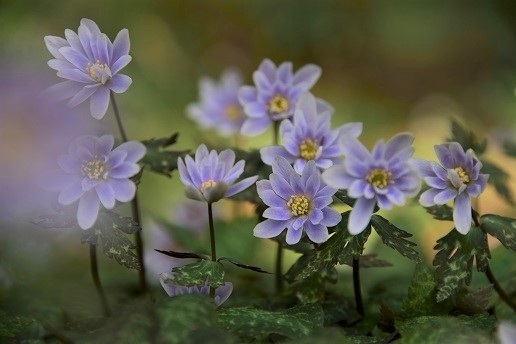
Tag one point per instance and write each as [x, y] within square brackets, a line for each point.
[467, 138]
[421, 295]
[441, 212]
[454, 260]
[342, 196]
[312, 289]
[60, 220]
[476, 302]
[442, 329]
[182, 255]
[198, 273]
[502, 228]
[339, 248]
[158, 158]
[12, 326]
[367, 261]
[329, 335]
[258, 324]
[499, 179]
[339, 309]
[242, 265]
[394, 237]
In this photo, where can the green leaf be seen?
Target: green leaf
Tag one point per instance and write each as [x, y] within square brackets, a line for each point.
[339, 248]
[510, 147]
[454, 260]
[502, 228]
[394, 237]
[188, 319]
[61, 220]
[499, 179]
[182, 255]
[312, 289]
[111, 229]
[338, 309]
[335, 335]
[440, 329]
[421, 295]
[367, 261]
[204, 271]
[342, 196]
[467, 138]
[258, 324]
[242, 265]
[160, 160]
[476, 302]
[441, 212]
[11, 326]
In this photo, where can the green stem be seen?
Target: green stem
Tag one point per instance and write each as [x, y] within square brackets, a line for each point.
[96, 280]
[135, 209]
[212, 241]
[503, 295]
[356, 286]
[279, 249]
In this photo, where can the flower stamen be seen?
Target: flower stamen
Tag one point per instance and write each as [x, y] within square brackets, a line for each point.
[95, 169]
[379, 178]
[463, 175]
[278, 104]
[207, 185]
[308, 149]
[299, 205]
[94, 69]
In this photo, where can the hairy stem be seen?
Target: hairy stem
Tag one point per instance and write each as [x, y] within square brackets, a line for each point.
[96, 280]
[279, 250]
[212, 241]
[503, 295]
[356, 286]
[135, 209]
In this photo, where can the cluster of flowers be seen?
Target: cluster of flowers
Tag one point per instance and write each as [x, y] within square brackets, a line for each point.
[307, 169]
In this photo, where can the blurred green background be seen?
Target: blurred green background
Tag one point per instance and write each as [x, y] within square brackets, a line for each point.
[393, 65]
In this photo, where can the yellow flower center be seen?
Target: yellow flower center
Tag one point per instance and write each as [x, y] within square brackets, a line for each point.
[95, 169]
[299, 205]
[278, 104]
[379, 177]
[463, 175]
[308, 149]
[232, 112]
[207, 185]
[92, 69]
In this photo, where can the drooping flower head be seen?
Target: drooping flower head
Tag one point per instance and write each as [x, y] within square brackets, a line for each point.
[275, 94]
[298, 203]
[91, 63]
[95, 174]
[457, 178]
[211, 176]
[383, 177]
[308, 136]
[218, 105]
[222, 292]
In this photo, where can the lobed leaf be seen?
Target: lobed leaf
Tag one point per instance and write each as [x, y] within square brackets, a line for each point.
[182, 255]
[499, 179]
[454, 260]
[502, 228]
[467, 138]
[441, 212]
[394, 237]
[204, 271]
[339, 248]
[160, 160]
[258, 324]
[243, 266]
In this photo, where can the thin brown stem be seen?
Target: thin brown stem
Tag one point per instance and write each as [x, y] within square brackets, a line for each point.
[503, 295]
[279, 249]
[212, 241]
[356, 286]
[135, 209]
[96, 280]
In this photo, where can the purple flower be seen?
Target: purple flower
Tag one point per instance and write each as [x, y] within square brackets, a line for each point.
[91, 64]
[222, 293]
[95, 174]
[218, 106]
[384, 177]
[457, 179]
[275, 94]
[211, 176]
[309, 137]
[298, 203]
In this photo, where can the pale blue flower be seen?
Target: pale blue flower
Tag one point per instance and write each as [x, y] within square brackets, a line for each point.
[275, 94]
[308, 136]
[94, 174]
[211, 176]
[222, 292]
[298, 203]
[458, 179]
[218, 107]
[91, 63]
[383, 177]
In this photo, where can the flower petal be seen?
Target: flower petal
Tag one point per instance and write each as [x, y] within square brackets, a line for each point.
[269, 228]
[277, 213]
[317, 233]
[331, 217]
[124, 189]
[99, 102]
[120, 83]
[360, 215]
[88, 209]
[106, 195]
[294, 235]
[462, 213]
[240, 186]
[308, 74]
